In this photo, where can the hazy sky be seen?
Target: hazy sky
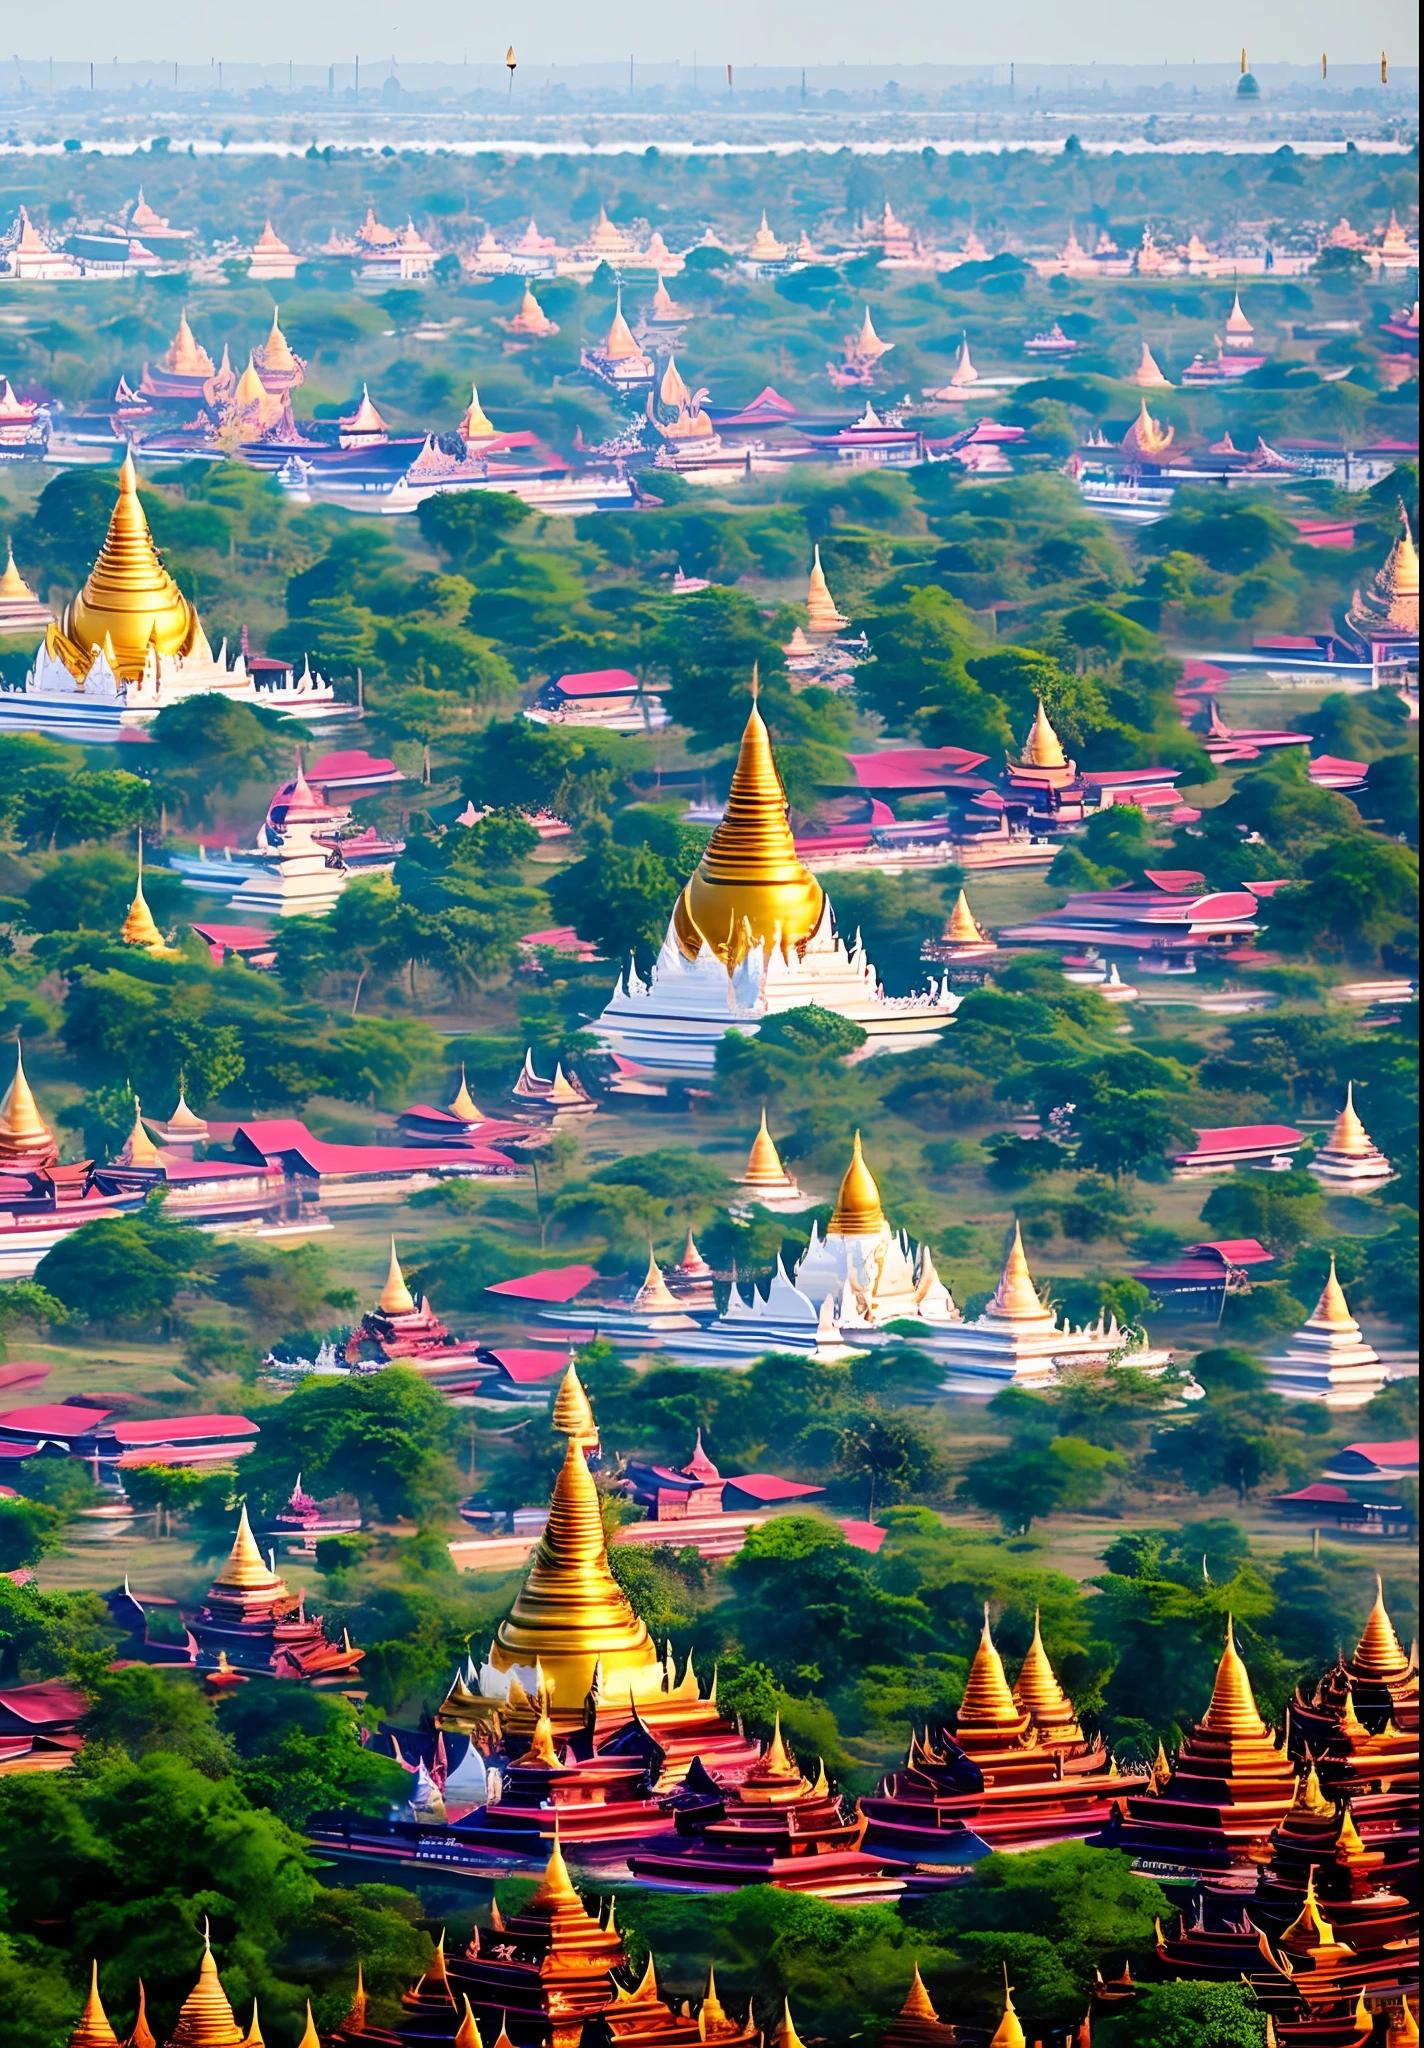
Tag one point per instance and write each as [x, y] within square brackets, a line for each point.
[744, 32]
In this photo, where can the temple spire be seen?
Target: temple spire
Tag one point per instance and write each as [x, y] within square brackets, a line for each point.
[1009, 2033]
[1378, 1654]
[1233, 1705]
[857, 1212]
[1043, 748]
[1015, 1294]
[464, 1105]
[93, 2030]
[918, 2004]
[139, 928]
[987, 1700]
[395, 1298]
[245, 1569]
[25, 1137]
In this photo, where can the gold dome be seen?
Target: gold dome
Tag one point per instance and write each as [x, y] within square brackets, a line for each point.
[1349, 1135]
[858, 1212]
[1378, 1653]
[571, 1613]
[987, 1701]
[395, 1298]
[1043, 748]
[751, 887]
[245, 1570]
[1016, 1294]
[1233, 1704]
[25, 1138]
[130, 602]
[764, 1167]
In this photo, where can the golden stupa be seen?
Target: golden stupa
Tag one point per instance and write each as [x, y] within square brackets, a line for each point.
[751, 888]
[823, 614]
[987, 1700]
[1009, 2033]
[25, 1138]
[276, 351]
[206, 2020]
[94, 2029]
[139, 1148]
[130, 606]
[1042, 747]
[1233, 1704]
[1016, 1294]
[571, 1617]
[857, 1212]
[464, 1105]
[1038, 1692]
[140, 928]
[395, 1298]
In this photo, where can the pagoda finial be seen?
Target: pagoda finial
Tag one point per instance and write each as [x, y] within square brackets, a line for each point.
[141, 2034]
[311, 2038]
[785, 2035]
[987, 1701]
[1009, 2033]
[244, 1571]
[395, 1298]
[556, 1887]
[355, 2020]
[467, 2034]
[139, 928]
[572, 1414]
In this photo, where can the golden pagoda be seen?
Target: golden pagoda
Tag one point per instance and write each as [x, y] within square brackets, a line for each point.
[26, 1140]
[139, 927]
[1392, 602]
[784, 2035]
[395, 1298]
[1379, 1658]
[751, 888]
[963, 937]
[185, 356]
[823, 616]
[139, 1148]
[1148, 437]
[1327, 1359]
[276, 365]
[1042, 747]
[1349, 1157]
[531, 320]
[988, 1711]
[673, 389]
[1009, 2033]
[93, 2030]
[1038, 1693]
[1148, 376]
[141, 2034]
[571, 1618]
[917, 2024]
[130, 608]
[765, 1179]
[464, 1105]
[475, 425]
[857, 1212]
[206, 2019]
[20, 607]
[764, 247]
[868, 343]
[620, 347]
[572, 1414]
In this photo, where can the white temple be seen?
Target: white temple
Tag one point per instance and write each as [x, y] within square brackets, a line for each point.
[1328, 1359]
[753, 934]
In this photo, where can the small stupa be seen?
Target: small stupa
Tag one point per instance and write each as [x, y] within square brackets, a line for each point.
[1349, 1158]
[26, 1140]
[139, 927]
[1328, 1359]
[823, 615]
[1148, 375]
[20, 608]
[963, 937]
[766, 1181]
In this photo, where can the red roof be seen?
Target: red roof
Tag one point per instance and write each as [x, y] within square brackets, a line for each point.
[528, 1366]
[1242, 1138]
[278, 1137]
[766, 1486]
[1328, 1496]
[55, 1419]
[180, 1428]
[913, 767]
[51, 1703]
[863, 1536]
[599, 682]
[350, 766]
[25, 1372]
[1176, 881]
[1198, 675]
[552, 1283]
[1400, 1450]
[1237, 1251]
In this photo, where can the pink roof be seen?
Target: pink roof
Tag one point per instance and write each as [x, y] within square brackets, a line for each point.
[181, 1427]
[526, 1366]
[768, 1487]
[1243, 1138]
[598, 682]
[1176, 881]
[50, 1701]
[54, 1419]
[277, 1136]
[1237, 1251]
[1318, 1490]
[351, 765]
[23, 1373]
[552, 1283]
[1399, 1450]
[913, 767]
[863, 1536]
[560, 938]
[1265, 890]
[1196, 675]
[1326, 533]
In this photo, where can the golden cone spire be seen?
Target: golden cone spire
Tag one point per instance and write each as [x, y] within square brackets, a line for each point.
[1015, 1294]
[963, 928]
[712, 2012]
[572, 1415]
[355, 2020]
[253, 2037]
[751, 887]
[464, 1105]
[130, 602]
[1349, 1135]
[620, 345]
[276, 355]
[1036, 1690]
[140, 1148]
[1310, 1925]
[12, 583]
[1349, 1841]
[857, 1212]
[764, 1167]
[987, 1701]
[93, 2030]
[556, 1887]
[245, 1570]
[1233, 1705]
[918, 2005]
[476, 425]
[1309, 1799]
[1332, 1311]
[395, 1298]
[1009, 2033]
[141, 2034]
[138, 927]
[467, 2034]
[785, 2034]
[311, 2038]
[541, 1749]
[1043, 748]
[1378, 1653]
[206, 2020]
[25, 1137]
[823, 615]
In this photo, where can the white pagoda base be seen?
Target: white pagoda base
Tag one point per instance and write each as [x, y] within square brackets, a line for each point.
[675, 1020]
[103, 705]
[1328, 1359]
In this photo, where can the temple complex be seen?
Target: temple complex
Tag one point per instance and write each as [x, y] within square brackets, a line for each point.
[1018, 1336]
[1016, 1773]
[766, 1181]
[251, 1618]
[1385, 619]
[130, 643]
[753, 934]
[402, 1329]
[1230, 1784]
[1328, 1359]
[1349, 1159]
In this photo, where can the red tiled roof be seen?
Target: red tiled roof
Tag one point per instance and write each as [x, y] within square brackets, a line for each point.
[913, 767]
[766, 1486]
[1242, 1138]
[552, 1283]
[49, 1704]
[274, 1138]
[598, 682]
[527, 1366]
[56, 1419]
[181, 1428]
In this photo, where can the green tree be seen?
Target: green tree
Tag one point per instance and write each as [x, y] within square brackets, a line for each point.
[1188, 2015]
[124, 1270]
[618, 897]
[385, 1438]
[1030, 1481]
[145, 1712]
[891, 1456]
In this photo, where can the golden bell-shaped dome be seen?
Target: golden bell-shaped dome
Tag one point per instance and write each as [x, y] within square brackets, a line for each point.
[1378, 1653]
[206, 2020]
[751, 887]
[987, 1701]
[764, 1167]
[130, 602]
[857, 1212]
[245, 1570]
[395, 1298]
[1233, 1704]
[1042, 748]
[572, 1413]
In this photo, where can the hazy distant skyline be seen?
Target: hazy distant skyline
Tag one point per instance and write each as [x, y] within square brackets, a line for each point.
[741, 32]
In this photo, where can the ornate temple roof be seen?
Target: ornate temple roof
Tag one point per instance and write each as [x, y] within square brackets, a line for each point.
[751, 888]
[246, 1570]
[857, 1212]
